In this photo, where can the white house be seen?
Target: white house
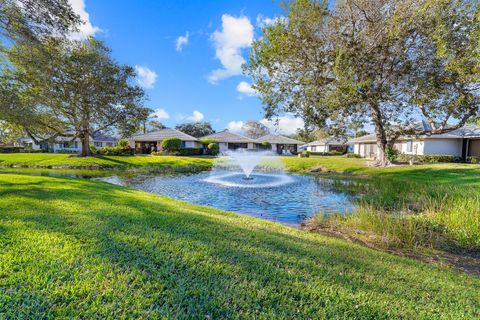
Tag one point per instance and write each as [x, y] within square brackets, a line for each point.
[281, 144]
[231, 141]
[463, 142]
[146, 143]
[67, 145]
[327, 145]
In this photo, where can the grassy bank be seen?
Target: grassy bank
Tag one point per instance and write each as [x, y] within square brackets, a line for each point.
[432, 205]
[77, 248]
[160, 164]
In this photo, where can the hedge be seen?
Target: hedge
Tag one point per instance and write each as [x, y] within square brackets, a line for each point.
[428, 158]
[191, 151]
[171, 144]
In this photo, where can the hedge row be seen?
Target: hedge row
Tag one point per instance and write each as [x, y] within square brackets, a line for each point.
[428, 158]
[9, 149]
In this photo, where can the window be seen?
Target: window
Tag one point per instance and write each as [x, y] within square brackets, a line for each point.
[409, 146]
[184, 144]
[109, 144]
[98, 144]
[314, 148]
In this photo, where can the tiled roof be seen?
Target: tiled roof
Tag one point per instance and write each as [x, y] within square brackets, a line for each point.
[228, 137]
[162, 135]
[278, 139]
[328, 141]
[103, 137]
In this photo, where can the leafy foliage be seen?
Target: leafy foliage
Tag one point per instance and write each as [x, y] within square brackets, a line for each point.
[255, 129]
[213, 149]
[196, 129]
[171, 144]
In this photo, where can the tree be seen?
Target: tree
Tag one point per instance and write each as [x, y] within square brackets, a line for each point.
[31, 20]
[72, 89]
[155, 125]
[361, 133]
[254, 129]
[196, 129]
[137, 123]
[393, 62]
[9, 132]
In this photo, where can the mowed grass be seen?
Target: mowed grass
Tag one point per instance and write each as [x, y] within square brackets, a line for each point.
[150, 163]
[85, 249]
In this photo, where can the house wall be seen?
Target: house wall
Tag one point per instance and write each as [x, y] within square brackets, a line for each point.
[474, 148]
[223, 147]
[417, 146]
[192, 144]
[251, 145]
[443, 146]
[316, 148]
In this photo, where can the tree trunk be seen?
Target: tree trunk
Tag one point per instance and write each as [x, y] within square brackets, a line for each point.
[85, 140]
[382, 142]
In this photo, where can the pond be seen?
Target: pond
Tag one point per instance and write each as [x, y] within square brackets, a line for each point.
[285, 198]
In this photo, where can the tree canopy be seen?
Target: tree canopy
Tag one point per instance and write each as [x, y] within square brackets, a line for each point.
[254, 129]
[71, 89]
[393, 62]
[196, 129]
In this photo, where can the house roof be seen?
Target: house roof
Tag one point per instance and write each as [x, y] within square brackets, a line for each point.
[162, 135]
[226, 136]
[278, 139]
[469, 131]
[103, 137]
[328, 141]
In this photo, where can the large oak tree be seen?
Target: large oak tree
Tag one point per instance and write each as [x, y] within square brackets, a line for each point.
[72, 89]
[393, 62]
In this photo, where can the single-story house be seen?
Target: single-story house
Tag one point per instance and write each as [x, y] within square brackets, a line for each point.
[67, 145]
[148, 142]
[327, 145]
[231, 141]
[463, 142]
[281, 144]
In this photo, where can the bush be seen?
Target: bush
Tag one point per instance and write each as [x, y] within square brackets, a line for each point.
[116, 151]
[123, 143]
[207, 141]
[190, 151]
[171, 144]
[8, 149]
[392, 154]
[331, 153]
[353, 155]
[266, 145]
[428, 158]
[213, 149]
[93, 150]
[473, 159]
[304, 154]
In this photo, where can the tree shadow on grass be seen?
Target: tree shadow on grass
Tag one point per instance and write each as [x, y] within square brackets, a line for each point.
[191, 261]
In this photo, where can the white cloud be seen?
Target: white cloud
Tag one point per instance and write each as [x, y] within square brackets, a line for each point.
[160, 114]
[246, 89]
[263, 21]
[146, 77]
[236, 34]
[196, 116]
[86, 29]
[235, 126]
[284, 125]
[182, 41]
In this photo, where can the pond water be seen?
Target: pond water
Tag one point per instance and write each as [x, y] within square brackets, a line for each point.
[285, 198]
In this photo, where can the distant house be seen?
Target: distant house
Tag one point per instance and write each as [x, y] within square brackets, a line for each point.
[327, 145]
[463, 142]
[231, 141]
[69, 145]
[281, 144]
[146, 143]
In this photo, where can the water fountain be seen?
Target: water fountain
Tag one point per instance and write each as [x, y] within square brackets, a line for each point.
[249, 169]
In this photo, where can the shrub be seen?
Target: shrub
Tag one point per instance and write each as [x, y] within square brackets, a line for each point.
[207, 141]
[473, 159]
[213, 149]
[190, 151]
[266, 145]
[171, 144]
[392, 154]
[353, 155]
[11, 149]
[116, 151]
[93, 150]
[123, 143]
[428, 158]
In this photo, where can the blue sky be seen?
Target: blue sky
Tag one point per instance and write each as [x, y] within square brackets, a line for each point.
[188, 54]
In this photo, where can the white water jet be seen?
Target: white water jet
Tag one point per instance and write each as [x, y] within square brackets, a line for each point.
[238, 169]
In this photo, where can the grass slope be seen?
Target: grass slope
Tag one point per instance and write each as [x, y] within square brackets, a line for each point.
[151, 163]
[84, 249]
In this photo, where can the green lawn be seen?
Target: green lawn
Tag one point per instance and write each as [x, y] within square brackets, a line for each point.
[151, 163]
[85, 249]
